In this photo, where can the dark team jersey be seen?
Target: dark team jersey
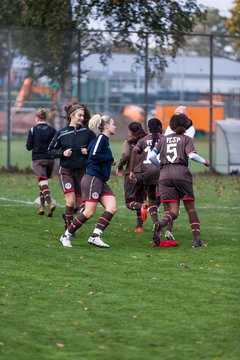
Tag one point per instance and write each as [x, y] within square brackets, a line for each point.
[38, 140]
[144, 147]
[100, 158]
[174, 150]
[125, 159]
[70, 138]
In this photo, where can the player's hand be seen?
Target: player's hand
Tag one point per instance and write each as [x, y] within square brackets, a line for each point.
[132, 177]
[84, 151]
[67, 153]
[114, 162]
[119, 172]
[207, 163]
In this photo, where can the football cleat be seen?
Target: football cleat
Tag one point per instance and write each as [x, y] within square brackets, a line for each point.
[157, 227]
[139, 229]
[65, 241]
[51, 209]
[169, 235]
[97, 241]
[198, 243]
[41, 211]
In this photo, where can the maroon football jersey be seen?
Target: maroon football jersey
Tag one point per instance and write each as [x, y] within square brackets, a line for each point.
[144, 147]
[174, 149]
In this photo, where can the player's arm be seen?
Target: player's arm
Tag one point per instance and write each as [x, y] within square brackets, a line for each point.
[195, 157]
[153, 157]
[29, 143]
[134, 153]
[54, 149]
[98, 151]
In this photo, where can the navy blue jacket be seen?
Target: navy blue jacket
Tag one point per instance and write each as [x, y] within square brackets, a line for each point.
[100, 158]
[70, 138]
[38, 140]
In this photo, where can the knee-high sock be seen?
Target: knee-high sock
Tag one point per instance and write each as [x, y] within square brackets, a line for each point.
[77, 223]
[42, 200]
[103, 222]
[153, 210]
[134, 205]
[68, 214]
[195, 224]
[168, 217]
[46, 194]
[139, 219]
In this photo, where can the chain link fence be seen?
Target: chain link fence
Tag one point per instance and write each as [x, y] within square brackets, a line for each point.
[123, 86]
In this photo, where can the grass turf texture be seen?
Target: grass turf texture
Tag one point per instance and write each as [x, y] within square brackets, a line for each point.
[131, 301]
[21, 158]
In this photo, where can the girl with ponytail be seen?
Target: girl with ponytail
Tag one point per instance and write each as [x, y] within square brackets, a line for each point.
[94, 185]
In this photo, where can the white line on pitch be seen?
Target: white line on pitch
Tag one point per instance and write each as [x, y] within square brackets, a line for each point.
[119, 206]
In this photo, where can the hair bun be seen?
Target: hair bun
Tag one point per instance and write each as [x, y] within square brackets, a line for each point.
[41, 114]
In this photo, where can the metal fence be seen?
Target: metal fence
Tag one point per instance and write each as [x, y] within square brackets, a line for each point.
[207, 84]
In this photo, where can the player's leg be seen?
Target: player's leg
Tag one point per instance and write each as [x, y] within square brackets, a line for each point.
[108, 201]
[152, 201]
[194, 223]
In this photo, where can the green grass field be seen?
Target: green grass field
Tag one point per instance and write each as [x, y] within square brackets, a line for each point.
[21, 158]
[131, 301]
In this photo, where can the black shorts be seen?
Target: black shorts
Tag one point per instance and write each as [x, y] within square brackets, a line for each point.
[43, 168]
[93, 189]
[70, 180]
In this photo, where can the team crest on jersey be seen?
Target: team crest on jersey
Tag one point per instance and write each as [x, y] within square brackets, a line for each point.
[68, 186]
[95, 195]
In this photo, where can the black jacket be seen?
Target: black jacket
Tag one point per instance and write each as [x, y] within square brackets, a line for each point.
[38, 140]
[70, 138]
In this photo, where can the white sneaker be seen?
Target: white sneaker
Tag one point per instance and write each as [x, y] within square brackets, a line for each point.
[97, 241]
[65, 241]
[169, 235]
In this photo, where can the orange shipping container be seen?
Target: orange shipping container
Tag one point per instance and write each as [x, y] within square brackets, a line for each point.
[199, 113]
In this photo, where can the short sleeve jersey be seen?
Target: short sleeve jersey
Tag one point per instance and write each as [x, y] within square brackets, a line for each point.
[144, 147]
[175, 149]
[125, 159]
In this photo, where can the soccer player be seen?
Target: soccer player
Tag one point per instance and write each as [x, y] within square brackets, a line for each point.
[150, 173]
[190, 131]
[94, 183]
[70, 145]
[38, 140]
[175, 181]
[133, 191]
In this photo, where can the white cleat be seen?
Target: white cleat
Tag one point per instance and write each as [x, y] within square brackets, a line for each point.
[65, 241]
[97, 241]
[169, 235]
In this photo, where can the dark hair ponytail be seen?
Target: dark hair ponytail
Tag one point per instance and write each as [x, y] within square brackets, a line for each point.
[179, 123]
[155, 128]
[137, 130]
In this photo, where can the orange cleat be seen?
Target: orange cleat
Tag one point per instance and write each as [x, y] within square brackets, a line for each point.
[139, 229]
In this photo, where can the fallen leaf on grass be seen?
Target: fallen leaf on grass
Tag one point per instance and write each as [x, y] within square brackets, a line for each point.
[184, 266]
[134, 316]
